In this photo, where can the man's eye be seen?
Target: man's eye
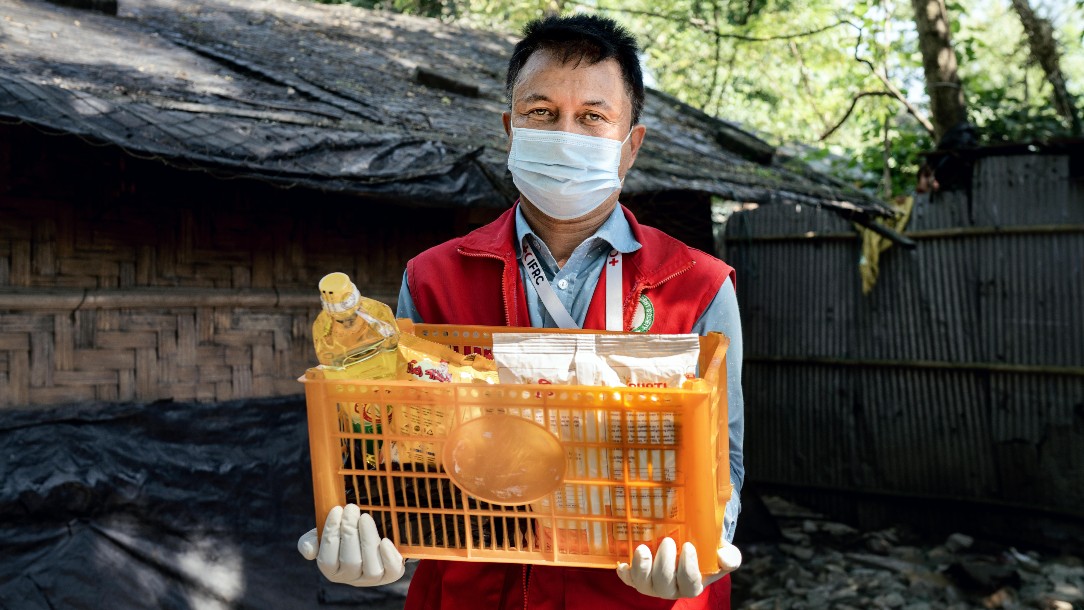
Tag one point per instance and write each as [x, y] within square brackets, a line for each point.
[591, 116]
[539, 112]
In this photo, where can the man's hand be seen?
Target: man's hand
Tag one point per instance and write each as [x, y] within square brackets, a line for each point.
[673, 577]
[351, 551]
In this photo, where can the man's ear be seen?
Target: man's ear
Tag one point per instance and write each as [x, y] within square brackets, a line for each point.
[636, 138]
[506, 118]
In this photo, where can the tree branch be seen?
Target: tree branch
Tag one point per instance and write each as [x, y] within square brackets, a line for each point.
[726, 81]
[892, 90]
[718, 52]
[803, 73]
[846, 115]
[1044, 51]
[886, 170]
[701, 25]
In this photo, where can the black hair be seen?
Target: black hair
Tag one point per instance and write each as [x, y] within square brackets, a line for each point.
[577, 38]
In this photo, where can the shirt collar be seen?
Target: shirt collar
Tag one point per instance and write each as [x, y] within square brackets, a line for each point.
[615, 231]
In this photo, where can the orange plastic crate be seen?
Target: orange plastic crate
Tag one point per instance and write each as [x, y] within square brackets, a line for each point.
[641, 463]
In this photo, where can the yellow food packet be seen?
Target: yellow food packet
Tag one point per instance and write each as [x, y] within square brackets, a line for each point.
[424, 360]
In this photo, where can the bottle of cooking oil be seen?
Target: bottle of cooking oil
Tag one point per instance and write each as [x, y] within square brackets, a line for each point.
[356, 338]
[353, 333]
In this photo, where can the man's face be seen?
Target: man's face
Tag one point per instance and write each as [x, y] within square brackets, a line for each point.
[577, 98]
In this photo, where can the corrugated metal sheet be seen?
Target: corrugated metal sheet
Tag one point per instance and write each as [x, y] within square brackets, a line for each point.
[1026, 190]
[958, 381]
[948, 209]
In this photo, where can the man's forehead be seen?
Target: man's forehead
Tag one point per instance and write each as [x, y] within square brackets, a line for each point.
[547, 60]
[536, 96]
[573, 57]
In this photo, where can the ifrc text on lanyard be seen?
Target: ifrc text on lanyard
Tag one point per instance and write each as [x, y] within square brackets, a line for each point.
[557, 310]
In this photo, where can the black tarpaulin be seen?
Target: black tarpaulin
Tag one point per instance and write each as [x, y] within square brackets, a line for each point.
[166, 505]
[344, 99]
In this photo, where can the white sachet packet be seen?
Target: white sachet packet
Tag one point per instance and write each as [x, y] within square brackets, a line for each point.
[655, 361]
[649, 361]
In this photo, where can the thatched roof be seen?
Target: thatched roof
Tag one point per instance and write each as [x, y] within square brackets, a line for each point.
[336, 97]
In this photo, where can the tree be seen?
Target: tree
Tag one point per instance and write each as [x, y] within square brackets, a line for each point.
[1044, 51]
[860, 88]
[947, 105]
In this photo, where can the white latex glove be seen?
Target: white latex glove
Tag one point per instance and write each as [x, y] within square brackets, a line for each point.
[673, 577]
[352, 552]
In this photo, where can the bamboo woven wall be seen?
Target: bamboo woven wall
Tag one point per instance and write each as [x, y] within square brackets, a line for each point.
[958, 382]
[129, 280]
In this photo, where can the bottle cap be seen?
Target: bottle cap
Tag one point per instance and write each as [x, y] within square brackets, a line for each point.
[338, 295]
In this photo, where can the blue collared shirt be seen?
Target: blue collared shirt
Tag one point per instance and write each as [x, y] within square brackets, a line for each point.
[575, 284]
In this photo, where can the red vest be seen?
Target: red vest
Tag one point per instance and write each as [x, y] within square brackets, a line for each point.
[475, 279]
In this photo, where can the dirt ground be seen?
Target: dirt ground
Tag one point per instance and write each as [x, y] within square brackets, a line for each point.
[824, 564]
[819, 563]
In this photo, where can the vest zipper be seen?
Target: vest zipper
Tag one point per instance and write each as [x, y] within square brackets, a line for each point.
[526, 583]
[672, 276]
[504, 287]
[656, 285]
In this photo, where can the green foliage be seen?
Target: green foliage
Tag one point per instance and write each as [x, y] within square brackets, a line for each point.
[790, 71]
[426, 8]
[1008, 97]
[739, 12]
[908, 142]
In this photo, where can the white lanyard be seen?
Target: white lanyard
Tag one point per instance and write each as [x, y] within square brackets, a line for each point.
[557, 310]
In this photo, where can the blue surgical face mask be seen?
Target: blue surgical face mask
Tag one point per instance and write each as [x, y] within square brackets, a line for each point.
[565, 175]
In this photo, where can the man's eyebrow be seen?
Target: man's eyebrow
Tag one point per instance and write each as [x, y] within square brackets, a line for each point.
[534, 97]
[539, 97]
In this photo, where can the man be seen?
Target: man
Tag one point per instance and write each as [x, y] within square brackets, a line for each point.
[576, 95]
